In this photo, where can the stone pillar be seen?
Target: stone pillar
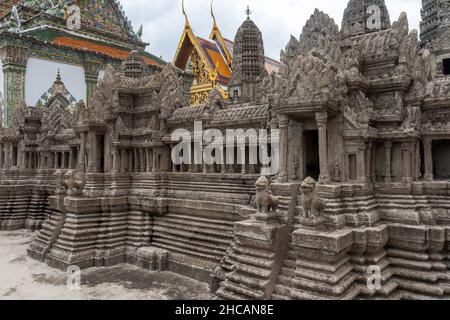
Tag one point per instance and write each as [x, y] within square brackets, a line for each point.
[428, 150]
[14, 60]
[63, 160]
[123, 159]
[387, 161]
[322, 119]
[1, 155]
[92, 167]
[284, 131]
[417, 160]
[55, 162]
[116, 161]
[82, 155]
[136, 160]
[155, 160]
[406, 162]
[71, 160]
[30, 160]
[142, 159]
[362, 163]
[91, 69]
[7, 164]
[369, 161]
[148, 160]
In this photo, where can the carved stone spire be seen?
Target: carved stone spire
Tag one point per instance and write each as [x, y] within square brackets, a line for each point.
[249, 62]
[365, 16]
[134, 66]
[435, 21]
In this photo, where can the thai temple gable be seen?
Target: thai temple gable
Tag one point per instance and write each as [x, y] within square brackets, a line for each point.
[210, 61]
[58, 92]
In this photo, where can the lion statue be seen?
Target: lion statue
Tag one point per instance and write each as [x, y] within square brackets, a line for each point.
[73, 182]
[266, 204]
[312, 204]
[59, 181]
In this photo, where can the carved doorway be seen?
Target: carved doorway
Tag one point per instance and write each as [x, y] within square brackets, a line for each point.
[311, 153]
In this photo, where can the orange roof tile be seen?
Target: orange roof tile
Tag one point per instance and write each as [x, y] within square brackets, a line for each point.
[98, 48]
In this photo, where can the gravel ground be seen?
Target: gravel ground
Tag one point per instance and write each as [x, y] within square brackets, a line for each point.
[22, 278]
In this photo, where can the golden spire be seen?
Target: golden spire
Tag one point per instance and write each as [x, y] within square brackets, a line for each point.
[185, 15]
[212, 15]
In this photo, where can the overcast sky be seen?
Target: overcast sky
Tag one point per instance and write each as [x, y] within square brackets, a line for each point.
[278, 19]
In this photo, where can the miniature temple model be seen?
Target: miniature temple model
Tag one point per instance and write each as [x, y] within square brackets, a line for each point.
[362, 116]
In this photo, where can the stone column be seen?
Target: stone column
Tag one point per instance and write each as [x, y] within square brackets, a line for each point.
[369, 160]
[362, 163]
[284, 131]
[148, 167]
[63, 160]
[30, 160]
[417, 160]
[136, 160]
[142, 159]
[155, 160]
[322, 119]
[6, 157]
[91, 69]
[14, 60]
[71, 160]
[123, 159]
[428, 150]
[406, 162]
[55, 163]
[387, 162]
[92, 167]
[82, 155]
[116, 161]
[130, 160]
[1, 155]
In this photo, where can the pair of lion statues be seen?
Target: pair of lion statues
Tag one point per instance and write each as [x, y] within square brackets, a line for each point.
[267, 204]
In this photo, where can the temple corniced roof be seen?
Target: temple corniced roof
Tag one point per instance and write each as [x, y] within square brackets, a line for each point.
[104, 29]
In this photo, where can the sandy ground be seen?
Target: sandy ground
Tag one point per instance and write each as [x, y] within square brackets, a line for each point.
[24, 278]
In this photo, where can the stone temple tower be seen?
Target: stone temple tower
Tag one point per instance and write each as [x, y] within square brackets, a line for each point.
[248, 62]
[365, 16]
[134, 65]
[435, 34]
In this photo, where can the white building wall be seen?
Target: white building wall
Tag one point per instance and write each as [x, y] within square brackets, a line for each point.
[42, 73]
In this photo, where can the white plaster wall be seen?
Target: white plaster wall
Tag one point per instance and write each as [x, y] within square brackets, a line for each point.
[42, 73]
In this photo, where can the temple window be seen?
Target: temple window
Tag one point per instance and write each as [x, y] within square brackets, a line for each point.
[15, 155]
[441, 154]
[446, 66]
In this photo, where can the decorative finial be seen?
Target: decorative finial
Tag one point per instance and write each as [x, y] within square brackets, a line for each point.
[58, 76]
[185, 15]
[212, 14]
[248, 12]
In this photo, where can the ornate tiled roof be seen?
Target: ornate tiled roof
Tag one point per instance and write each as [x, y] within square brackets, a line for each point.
[62, 38]
[241, 114]
[216, 59]
[6, 6]
[229, 116]
[188, 113]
